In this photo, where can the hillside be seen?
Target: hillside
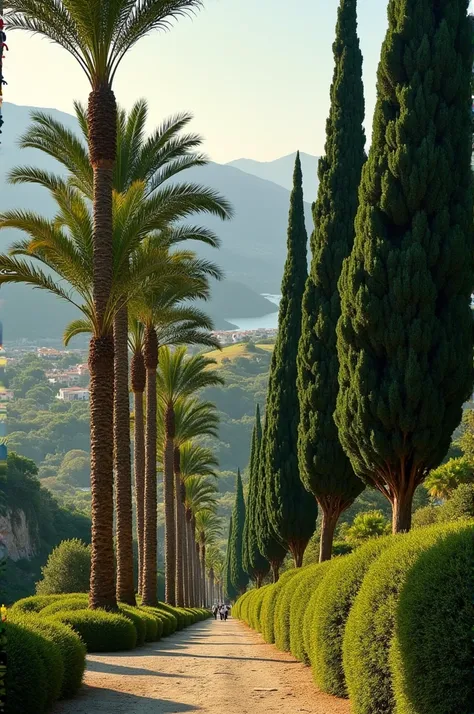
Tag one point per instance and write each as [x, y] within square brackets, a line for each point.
[280, 171]
[253, 244]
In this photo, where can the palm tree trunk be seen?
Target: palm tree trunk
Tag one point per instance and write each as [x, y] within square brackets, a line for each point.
[203, 574]
[102, 121]
[169, 496]
[198, 577]
[192, 563]
[123, 468]
[138, 378]
[179, 521]
[211, 586]
[149, 593]
[186, 564]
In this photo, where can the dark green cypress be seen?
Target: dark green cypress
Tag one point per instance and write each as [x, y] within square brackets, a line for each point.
[291, 509]
[254, 563]
[325, 469]
[238, 575]
[405, 333]
[268, 544]
[229, 590]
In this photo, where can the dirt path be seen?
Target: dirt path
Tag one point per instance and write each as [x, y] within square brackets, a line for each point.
[213, 667]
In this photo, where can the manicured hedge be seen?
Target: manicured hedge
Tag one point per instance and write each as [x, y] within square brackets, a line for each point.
[370, 625]
[138, 619]
[331, 605]
[283, 610]
[255, 611]
[247, 599]
[101, 631]
[71, 648]
[168, 621]
[270, 600]
[35, 603]
[303, 611]
[77, 601]
[432, 651]
[26, 672]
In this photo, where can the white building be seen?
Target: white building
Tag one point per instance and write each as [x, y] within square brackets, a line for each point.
[73, 394]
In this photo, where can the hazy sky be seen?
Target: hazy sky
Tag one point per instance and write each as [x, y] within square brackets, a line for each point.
[255, 73]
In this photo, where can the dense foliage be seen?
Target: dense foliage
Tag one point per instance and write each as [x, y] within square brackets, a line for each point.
[405, 332]
[290, 509]
[67, 570]
[325, 469]
[239, 577]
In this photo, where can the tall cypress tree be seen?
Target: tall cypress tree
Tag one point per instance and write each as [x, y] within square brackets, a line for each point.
[238, 575]
[325, 469]
[254, 563]
[291, 509]
[405, 332]
[229, 590]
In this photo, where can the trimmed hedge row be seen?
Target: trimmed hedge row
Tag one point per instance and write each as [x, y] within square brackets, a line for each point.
[390, 625]
[48, 636]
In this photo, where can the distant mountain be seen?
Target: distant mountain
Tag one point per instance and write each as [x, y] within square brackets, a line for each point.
[280, 171]
[253, 244]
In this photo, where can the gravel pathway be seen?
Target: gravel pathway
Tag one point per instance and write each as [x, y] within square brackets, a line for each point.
[212, 667]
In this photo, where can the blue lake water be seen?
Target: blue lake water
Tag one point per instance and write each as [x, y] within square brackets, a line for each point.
[266, 322]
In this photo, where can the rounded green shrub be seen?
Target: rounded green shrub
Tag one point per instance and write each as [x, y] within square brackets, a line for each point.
[331, 605]
[67, 570]
[35, 603]
[244, 606]
[26, 672]
[370, 625]
[137, 618]
[154, 626]
[179, 616]
[70, 645]
[255, 611]
[431, 654]
[77, 601]
[168, 620]
[282, 611]
[301, 612]
[100, 631]
[270, 600]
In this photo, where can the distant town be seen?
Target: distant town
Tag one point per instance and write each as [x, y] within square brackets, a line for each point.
[73, 381]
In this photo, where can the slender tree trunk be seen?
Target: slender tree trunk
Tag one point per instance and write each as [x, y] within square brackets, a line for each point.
[211, 586]
[179, 521]
[276, 570]
[297, 550]
[138, 377]
[102, 120]
[401, 510]
[186, 563]
[203, 571]
[190, 562]
[332, 508]
[199, 576]
[169, 496]
[122, 459]
[150, 574]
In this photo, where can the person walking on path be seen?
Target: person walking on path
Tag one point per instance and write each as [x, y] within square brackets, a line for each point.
[214, 612]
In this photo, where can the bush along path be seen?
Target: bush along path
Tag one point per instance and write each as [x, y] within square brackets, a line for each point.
[413, 590]
[49, 635]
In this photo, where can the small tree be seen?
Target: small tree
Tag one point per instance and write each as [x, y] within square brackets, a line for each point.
[442, 481]
[237, 573]
[67, 570]
[368, 524]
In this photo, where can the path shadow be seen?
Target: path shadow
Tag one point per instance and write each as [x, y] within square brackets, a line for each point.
[112, 702]
[107, 668]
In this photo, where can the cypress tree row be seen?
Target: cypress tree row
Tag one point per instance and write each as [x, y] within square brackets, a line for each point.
[268, 544]
[324, 467]
[290, 508]
[405, 332]
[229, 590]
[238, 575]
[254, 563]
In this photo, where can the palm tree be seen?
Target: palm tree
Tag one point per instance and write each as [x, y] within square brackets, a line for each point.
[98, 35]
[215, 567]
[151, 162]
[208, 528]
[193, 419]
[178, 376]
[196, 464]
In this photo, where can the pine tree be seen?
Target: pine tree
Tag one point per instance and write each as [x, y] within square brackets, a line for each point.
[325, 469]
[229, 590]
[405, 332]
[254, 563]
[290, 508]
[238, 575]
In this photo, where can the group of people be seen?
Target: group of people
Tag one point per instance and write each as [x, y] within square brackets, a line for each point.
[221, 610]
